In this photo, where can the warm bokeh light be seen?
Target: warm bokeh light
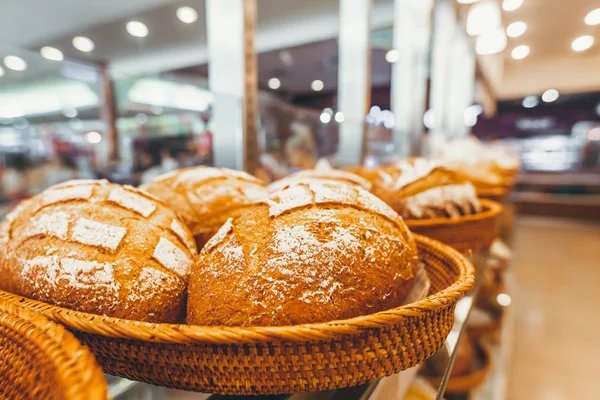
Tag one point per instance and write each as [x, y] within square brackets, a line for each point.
[593, 17]
[317, 85]
[550, 95]
[491, 43]
[520, 52]
[516, 29]
[511, 5]
[274, 83]
[582, 43]
[137, 29]
[15, 63]
[83, 43]
[51, 53]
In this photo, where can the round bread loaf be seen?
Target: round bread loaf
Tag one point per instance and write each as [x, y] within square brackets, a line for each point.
[323, 174]
[206, 197]
[425, 189]
[101, 248]
[314, 252]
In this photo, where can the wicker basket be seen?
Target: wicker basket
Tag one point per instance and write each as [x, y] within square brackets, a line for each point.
[42, 360]
[466, 383]
[287, 359]
[467, 233]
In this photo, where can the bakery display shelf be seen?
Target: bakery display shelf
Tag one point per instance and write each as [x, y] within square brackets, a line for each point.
[394, 386]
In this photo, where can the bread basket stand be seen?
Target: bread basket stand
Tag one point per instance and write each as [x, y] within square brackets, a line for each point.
[40, 359]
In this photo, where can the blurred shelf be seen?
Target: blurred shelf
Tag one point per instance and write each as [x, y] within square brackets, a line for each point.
[559, 179]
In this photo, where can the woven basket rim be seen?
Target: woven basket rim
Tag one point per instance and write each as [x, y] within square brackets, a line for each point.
[491, 209]
[196, 334]
[76, 370]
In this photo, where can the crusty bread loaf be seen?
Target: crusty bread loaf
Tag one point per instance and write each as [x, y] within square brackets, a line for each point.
[206, 197]
[100, 248]
[426, 189]
[316, 251]
[367, 173]
[323, 174]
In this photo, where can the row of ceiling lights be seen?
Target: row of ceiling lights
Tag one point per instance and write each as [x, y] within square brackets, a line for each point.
[316, 86]
[82, 43]
[548, 96]
[483, 21]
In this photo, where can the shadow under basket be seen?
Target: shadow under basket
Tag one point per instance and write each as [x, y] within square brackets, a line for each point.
[40, 359]
[277, 360]
[466, 233]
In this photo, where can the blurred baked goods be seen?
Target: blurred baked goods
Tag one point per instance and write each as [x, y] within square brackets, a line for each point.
[320, 174]
[313, 252]
[206, 197]
[423, 189]
[101, 248]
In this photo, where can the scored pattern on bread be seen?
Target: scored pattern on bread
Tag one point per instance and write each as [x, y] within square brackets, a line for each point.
[206, 197]
[308, 192]
[317, 251]
[313, 174]
[448, 201]
[95, 249]
[132, 201]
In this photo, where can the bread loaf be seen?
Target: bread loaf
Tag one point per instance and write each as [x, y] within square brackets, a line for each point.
[206, 197]
[426, 189]
[101, 248]
[323, 174]
[314, 252]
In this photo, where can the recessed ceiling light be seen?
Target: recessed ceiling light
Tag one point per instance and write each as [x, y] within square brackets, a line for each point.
[593, 17]
[325, 118]
[137, 29]
[339, 116]
[83, 43]
[520, 52]
[392, 56]
[582, 43]
[530, 101]
[483, 17]
[51, 53]
[550, 95]
[317, 85]
[187, 15]
[15, 63]
[70, 112]
[1, 71]
[516, 29]
[274, 83]
[491, 42]
[93, 137]
[511, 5]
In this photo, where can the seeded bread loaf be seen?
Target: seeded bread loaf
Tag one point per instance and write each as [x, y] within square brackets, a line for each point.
[316, 251]
[101, 248]
[206, 197]
[323, 174]
[426, 189]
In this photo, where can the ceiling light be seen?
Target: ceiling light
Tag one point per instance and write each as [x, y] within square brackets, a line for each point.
[429, 119]
[582, 43]
[593, 17]
[274, 83]
[392, 56]
[511, 5]
[70, 112]
[15, 63]
[317, 85]
[137, 29]
[187, 15]
[594, 134]
[51, 53]
[1, 71]
[530, 101]
[93, 137]
[325, 118]
[467, 1]
[339, 116]
[516, 29]
[483, 17]
[520, 52]
[550, 95]
[83, 43]
[503, 299]
[491, 42]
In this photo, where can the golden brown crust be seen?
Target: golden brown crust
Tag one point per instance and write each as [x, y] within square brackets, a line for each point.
[101, 248]
[317, 251]
[325, 174]
[206, 197]
[422, 188]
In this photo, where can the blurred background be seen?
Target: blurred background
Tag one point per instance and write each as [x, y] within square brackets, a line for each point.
[127, 90]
